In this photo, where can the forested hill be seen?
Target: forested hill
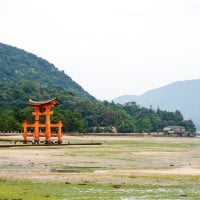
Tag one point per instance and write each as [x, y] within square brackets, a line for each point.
[25, 76]
[17, 66]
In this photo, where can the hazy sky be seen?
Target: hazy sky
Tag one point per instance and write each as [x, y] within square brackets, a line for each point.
[109, 47]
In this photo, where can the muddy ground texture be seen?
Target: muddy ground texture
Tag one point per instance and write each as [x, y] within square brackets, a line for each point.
[119, 160]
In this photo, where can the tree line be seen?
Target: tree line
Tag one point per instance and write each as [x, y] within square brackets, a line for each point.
[84, 115]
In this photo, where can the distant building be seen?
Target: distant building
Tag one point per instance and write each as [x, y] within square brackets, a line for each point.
[175, 130]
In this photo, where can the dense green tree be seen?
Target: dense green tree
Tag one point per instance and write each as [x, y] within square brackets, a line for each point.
[8, 123]
[144, 125]
[126, 126]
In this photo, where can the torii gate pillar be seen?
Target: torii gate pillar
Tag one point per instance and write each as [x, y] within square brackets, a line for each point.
[43, 108]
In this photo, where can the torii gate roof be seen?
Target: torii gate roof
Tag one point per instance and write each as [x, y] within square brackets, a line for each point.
[53, 101]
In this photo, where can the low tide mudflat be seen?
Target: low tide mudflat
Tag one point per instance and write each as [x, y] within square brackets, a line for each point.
[123, 168]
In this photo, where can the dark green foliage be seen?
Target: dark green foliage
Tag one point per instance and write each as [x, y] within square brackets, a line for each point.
[126, 126]
[24, 76]
[8, 121]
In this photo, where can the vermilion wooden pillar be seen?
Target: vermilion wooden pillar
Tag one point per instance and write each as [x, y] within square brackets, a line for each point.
[42, 108]
[25, 134]
[48, 113]
[36, 123]
[60, 132]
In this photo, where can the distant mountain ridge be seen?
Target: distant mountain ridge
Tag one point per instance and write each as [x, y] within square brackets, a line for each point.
[181, 95]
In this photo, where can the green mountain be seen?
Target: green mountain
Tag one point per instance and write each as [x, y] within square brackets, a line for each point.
[17, 65]
[25, 76]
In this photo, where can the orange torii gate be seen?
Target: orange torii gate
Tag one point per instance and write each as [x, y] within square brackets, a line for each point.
[42, 108]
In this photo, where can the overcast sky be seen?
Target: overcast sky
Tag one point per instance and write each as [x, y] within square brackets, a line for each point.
[109, 47]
